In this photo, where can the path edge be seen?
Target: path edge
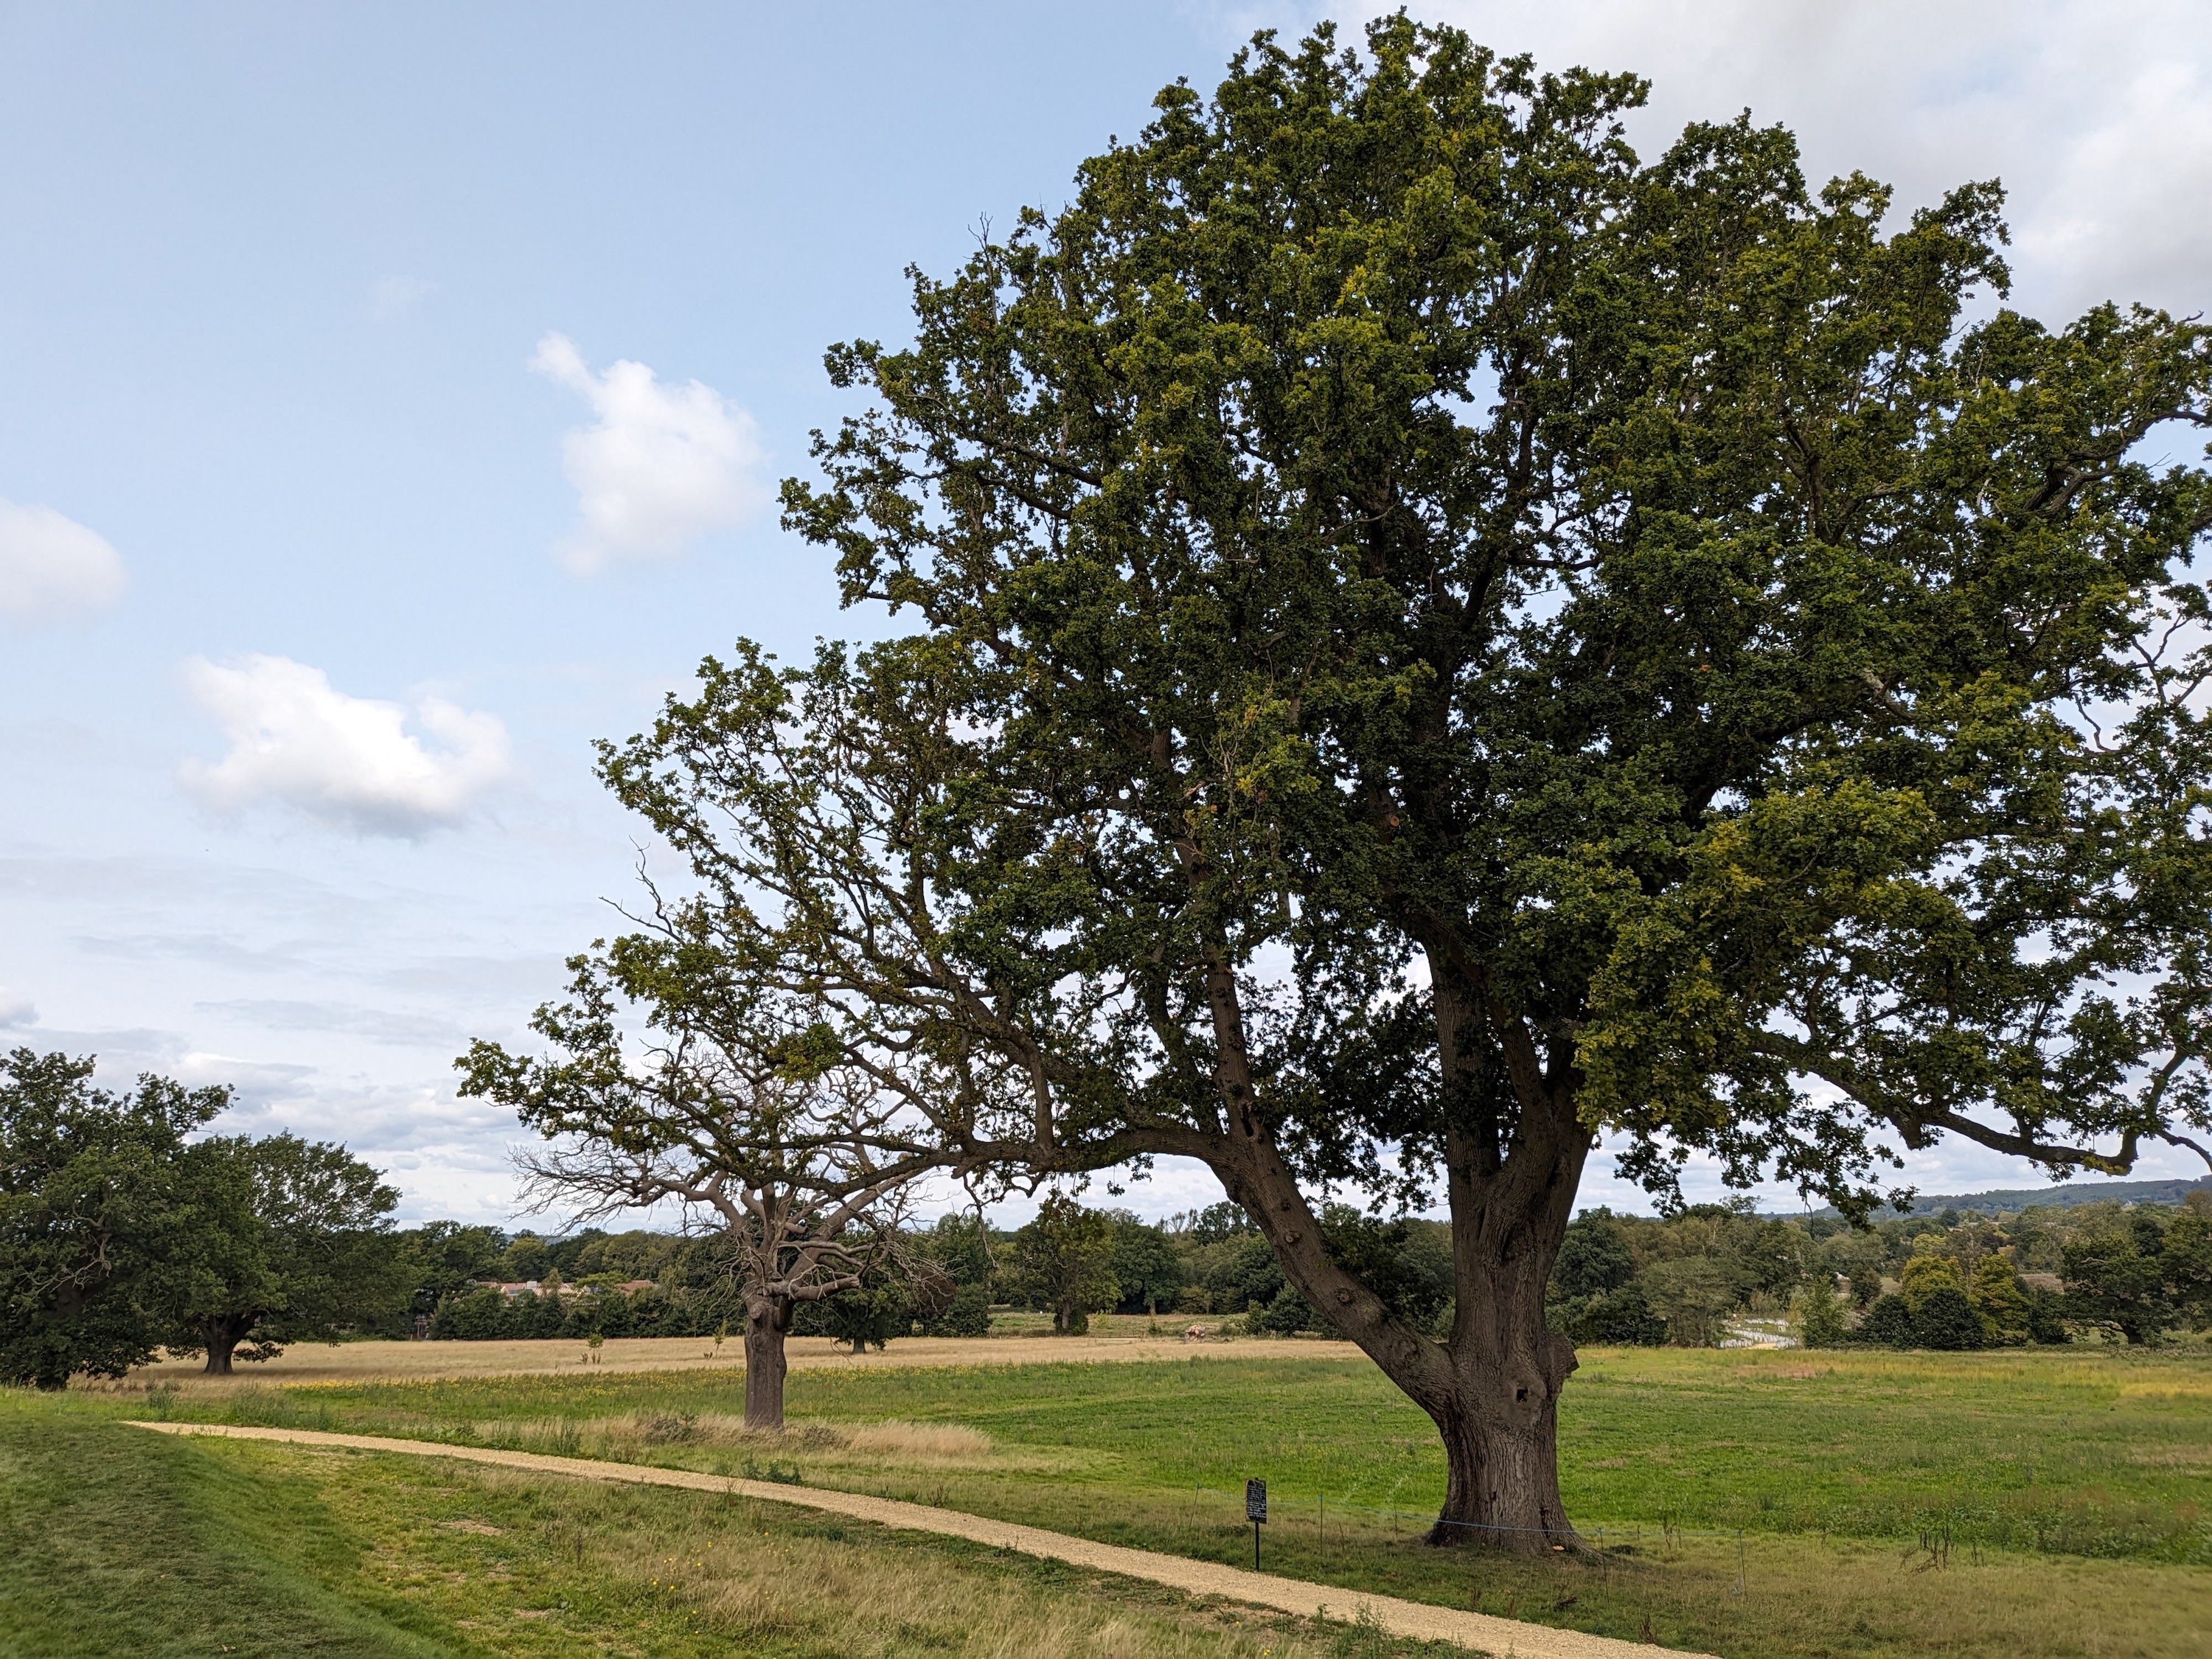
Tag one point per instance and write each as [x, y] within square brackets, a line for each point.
[1508, 1638]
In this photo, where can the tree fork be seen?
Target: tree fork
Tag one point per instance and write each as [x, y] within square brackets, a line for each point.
[1492, 1388]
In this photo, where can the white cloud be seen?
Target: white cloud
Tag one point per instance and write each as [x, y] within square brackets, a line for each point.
[198, 1068]
[16, 1012]
[347, 761]
[53, 569]
[2096, 113]
[664, 465]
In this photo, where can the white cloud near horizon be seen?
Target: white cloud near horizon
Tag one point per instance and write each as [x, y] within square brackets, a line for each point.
[2097, 114]
[663, 464]
[16, 1012]
[53, 569]
[349, 761]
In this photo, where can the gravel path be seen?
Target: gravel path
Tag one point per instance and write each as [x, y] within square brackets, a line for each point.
[1481, 1632]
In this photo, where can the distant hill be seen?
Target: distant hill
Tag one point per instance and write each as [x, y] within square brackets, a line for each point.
[2062, 1195]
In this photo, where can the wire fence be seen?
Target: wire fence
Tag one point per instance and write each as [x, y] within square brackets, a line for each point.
[1597, 1543]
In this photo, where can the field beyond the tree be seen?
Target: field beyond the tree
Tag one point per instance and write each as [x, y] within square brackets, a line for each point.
[2015, 1503]
[1026, 1339]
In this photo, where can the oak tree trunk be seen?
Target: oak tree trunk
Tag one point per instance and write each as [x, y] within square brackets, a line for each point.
[1492, 1384]
[221, 1337]
[767, 1321]
[1497, 1414]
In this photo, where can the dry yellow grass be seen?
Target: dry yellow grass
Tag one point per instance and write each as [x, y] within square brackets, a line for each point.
[416, 1362]
[876, 1446]
[766, 1587]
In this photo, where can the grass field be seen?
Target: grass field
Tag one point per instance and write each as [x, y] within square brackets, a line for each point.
[114, 1541]
[2014, 1505]
[1027, 1338]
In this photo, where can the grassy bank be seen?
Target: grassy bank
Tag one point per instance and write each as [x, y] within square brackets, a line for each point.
[2029, 1503]
[113, 1541]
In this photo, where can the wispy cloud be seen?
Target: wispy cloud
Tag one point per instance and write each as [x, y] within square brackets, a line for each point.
[388, 296]
[663, 466]
[16, 1012]
[377, 1024]
[53, 569]
[350, 762]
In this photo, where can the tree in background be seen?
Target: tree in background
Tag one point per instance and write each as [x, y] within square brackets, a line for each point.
[2000, 1302]
[1381, 524]
[1063, 1262]
[1819, 1317]
[899, 1287]
[445, 1258]
[2115, 1276]
[288, 1242]
[526, 1261]
[1593, 1295]
[2187, 1256]
[738, 1110]
[1147, 1270]
[959, 1247]
[96, 1214]
[1593, 1257]
[1694, 1295]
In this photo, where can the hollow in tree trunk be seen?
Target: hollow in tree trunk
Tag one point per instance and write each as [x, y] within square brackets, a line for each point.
[767, 1321]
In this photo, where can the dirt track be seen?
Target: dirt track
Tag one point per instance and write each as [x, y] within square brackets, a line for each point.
[413, 1362]
[1415, 1619]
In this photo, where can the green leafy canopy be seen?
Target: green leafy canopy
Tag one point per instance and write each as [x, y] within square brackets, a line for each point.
[1436, 637]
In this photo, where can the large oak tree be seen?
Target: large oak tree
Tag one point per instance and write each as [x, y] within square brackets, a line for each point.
[1437, 639]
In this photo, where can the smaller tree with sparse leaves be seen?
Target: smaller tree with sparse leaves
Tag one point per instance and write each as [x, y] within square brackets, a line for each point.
[734, 1109]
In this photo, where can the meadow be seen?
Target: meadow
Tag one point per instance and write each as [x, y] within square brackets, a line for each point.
[113, 1541]
[2020, 1503]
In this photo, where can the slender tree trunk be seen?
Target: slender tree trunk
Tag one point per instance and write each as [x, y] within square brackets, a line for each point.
[767, 1321]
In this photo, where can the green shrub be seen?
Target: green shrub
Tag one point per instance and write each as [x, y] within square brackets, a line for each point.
[969, 1314]
[1946, 1320]
[1820, 1322]
[1289, 1312]
[1888, 1322]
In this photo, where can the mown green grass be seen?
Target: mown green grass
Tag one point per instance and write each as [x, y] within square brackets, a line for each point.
[2071, 1486]
[2098, 1452]
[114, 1541]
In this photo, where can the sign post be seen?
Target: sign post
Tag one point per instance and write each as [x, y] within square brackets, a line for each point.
[1255, 1511]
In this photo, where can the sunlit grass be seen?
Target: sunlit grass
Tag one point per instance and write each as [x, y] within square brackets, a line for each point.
[113, 1541]
[2008, 1504]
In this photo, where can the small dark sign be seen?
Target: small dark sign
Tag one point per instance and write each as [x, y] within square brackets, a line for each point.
[1256, 1501]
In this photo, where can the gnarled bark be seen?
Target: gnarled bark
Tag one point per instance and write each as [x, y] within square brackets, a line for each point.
[767, 1321]
[221, 1335]
[1492, 1384]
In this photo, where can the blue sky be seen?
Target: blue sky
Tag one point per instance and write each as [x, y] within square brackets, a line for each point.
[390, 397]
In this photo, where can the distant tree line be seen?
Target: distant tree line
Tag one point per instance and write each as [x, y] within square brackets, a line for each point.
[126, 1231]
[1952, 1281]
[944, 1280]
